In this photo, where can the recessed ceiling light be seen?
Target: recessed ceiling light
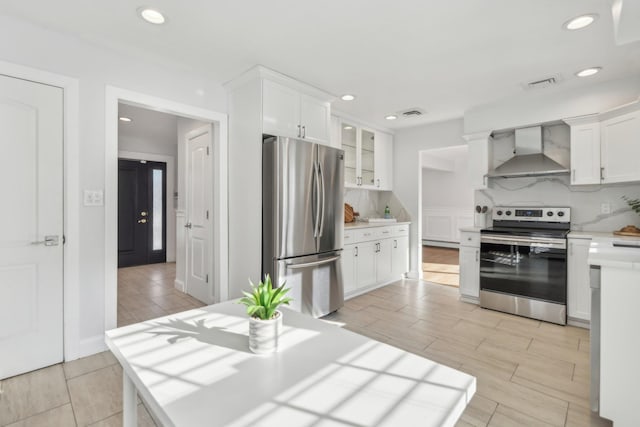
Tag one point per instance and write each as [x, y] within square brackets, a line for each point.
[151, 15]
[588, 71]
[580, 21]
[125, 119]
[347, 127]
[391, 117]
[348, 97]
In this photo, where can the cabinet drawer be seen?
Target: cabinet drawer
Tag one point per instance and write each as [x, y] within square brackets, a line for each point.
[349, 236]
[470, 238]
[401, 230]
[384, 232]
[365, 234]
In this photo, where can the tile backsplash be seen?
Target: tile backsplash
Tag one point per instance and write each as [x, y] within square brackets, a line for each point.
[586, 201]
[371, 203]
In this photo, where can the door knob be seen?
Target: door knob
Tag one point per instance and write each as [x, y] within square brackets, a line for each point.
[187, 225]
[142, 221]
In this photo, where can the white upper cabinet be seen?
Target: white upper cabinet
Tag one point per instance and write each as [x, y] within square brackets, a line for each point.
[315, 119]
[383, 161]
[620, 148]
[280, 110]
[585, 150]
[605, 147]
[288, 111]
[479, 159]
[368, 156]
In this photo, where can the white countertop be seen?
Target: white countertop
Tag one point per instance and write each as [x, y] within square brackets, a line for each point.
[606, 251]
[363, 224]
[592, 234]
[471, 229]
[195, 369]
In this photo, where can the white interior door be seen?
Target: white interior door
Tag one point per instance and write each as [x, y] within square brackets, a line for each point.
[31, 183]
[198, 236]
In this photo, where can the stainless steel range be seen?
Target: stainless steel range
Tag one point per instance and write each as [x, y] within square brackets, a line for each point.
[523, 262]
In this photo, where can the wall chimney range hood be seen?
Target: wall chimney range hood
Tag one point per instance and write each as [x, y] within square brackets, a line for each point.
[529, 159]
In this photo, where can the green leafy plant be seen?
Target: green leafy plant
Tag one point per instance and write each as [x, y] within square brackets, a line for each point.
[264, 299]
[634, 203]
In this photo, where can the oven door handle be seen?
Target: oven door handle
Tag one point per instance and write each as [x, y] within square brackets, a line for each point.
[534, 242]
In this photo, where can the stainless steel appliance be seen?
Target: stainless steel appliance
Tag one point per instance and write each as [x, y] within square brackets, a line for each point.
[302, 221]
[523, 262]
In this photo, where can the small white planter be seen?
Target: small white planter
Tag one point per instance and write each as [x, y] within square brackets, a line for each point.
[263, 334]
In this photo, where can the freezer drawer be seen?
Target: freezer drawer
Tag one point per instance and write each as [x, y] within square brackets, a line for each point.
[315, 282]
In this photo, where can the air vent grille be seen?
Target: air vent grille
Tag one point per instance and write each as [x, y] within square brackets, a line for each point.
[412, 112]
[542, 83]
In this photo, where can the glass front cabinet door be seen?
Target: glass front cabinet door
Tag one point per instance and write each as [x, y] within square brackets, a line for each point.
[350, 147]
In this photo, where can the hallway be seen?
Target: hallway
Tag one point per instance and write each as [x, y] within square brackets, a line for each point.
[147, 291]
[441, 265]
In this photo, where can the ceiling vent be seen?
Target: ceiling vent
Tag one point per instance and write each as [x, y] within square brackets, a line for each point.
[412, 112]
[542, 83]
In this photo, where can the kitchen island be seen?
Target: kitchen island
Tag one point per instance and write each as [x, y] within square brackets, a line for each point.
[195, 369]
[618, 261]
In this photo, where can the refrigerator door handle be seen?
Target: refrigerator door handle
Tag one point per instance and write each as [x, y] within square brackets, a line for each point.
[321, 175]
[316, 175]
[314, 263]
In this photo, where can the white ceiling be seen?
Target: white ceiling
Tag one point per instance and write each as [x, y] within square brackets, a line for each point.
[147, 125]
[442, 56]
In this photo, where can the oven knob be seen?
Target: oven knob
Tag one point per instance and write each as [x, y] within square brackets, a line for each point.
[508, 213]
[499, 213]
[549, 213]
[560, 213]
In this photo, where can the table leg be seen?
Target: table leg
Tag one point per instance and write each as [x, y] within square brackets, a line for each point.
[129, 402]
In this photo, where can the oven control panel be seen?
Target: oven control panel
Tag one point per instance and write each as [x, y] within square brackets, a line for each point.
[532, 214]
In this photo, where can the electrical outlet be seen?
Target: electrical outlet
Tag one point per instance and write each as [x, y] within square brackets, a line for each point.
[605, 208]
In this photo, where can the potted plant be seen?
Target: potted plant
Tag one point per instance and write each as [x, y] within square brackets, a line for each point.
[265, 320]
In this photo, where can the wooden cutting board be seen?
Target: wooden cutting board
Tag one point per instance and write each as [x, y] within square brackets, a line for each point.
[626, 233]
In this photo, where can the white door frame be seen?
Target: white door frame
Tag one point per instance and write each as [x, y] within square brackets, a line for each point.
[71, 199]
[114, 95]
[170, 209]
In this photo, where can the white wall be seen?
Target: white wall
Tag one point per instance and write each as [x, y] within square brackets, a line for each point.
[407, 172]
[448, 189]
[551, 104]
[95, 68]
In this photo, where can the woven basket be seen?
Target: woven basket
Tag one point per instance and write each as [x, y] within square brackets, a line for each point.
[348, 213]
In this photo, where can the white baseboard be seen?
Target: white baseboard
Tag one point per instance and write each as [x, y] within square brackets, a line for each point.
[580, 323]
[415, 275]
[440, 244]
[179, 285]
[470, 299]
[89, 346]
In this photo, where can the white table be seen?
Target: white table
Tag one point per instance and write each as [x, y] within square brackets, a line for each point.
[195, 369]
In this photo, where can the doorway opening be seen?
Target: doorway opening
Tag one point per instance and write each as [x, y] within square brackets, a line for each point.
[444, 212]
[154, 168]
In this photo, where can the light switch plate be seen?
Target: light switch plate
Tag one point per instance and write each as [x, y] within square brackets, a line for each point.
[93, 198]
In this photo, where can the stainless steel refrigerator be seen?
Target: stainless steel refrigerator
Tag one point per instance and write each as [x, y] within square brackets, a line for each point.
[302, 221]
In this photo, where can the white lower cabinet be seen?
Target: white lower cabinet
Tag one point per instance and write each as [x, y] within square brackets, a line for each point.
[400, 256]
[578, 288]
[470, 266]
[375, 256]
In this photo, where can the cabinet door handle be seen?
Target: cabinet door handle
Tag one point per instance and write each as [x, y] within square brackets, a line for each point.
[484, 180]
[356, 251]
[378, 182]
[602, 174]
[395, 244]
[571, 248]
[304, 131]
[299, 132]
[477, 255]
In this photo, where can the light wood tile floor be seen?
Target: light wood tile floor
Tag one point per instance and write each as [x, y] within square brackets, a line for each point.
[441, 265]
[529, 373]
[148, 291]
